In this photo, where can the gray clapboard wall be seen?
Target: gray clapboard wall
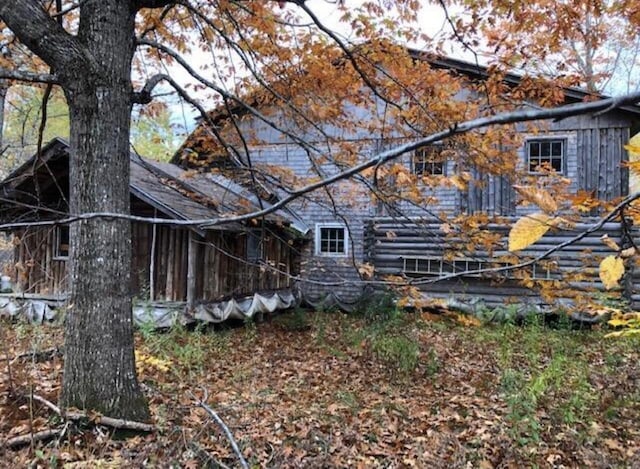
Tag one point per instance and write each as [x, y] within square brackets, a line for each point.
[420, 250]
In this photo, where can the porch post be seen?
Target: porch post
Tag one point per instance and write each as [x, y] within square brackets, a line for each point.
[191, 270]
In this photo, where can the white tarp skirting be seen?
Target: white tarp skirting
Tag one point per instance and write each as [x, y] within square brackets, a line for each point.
[161, 315]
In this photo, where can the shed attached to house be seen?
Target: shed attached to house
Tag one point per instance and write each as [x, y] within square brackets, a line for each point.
[196, 264]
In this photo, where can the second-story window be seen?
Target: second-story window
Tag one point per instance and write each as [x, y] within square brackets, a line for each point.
[429, 161]
[548, 154]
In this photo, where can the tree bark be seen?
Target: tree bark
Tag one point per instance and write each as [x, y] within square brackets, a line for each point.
[94, 69]
[99, 367]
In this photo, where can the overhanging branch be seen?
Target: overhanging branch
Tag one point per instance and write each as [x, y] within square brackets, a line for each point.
[42, 34]
[144, 95]
[29, 77]
[525, 115]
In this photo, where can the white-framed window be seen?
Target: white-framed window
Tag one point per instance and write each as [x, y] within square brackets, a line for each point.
[545, 154]
[61, 242]
[429, 161]
[441, 267]
[332, 239]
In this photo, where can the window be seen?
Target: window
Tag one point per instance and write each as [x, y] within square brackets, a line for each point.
[429, 161]
[546, 155]
[255, 246]
[331, 240]
[61, 242]
[439, 266]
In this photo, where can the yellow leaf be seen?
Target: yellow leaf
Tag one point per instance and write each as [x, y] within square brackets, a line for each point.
[631, 148]
[629, 252]
[618, 322]
[611, 270]
[468, 321]
[366, 270]
[528, 230]
[539, 197]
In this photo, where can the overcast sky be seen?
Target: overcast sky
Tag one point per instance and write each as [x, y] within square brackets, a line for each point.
[432, 22]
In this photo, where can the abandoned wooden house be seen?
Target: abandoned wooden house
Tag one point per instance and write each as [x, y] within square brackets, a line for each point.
[194, 264]
[416, 242]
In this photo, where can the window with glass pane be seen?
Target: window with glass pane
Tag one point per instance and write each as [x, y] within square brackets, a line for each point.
[331, 240]
[545, 155]
[428, 161]
[61, 242]
[255, 245]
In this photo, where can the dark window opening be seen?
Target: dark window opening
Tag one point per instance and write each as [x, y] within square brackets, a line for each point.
[545, 155]
[332, 240]
[255, 246]
[61, 242]
[429, 161]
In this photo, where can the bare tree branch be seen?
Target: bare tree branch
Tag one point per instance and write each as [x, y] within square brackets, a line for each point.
[29, 77]
[43, 35]
[524, 115]
[144, 95]
[152, 3]
[31, 437]
[202, 403]
[226, 94]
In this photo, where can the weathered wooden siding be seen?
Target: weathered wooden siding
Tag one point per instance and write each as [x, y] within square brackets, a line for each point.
[224, 270]
[489, 194]
[36, 270]
[160, 263]
[600, 157]
[393, 248]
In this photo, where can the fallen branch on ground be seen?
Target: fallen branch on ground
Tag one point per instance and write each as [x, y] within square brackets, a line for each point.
[97, 419]
[120, 424]
[27, 439]
[223, 426]
[39, 356]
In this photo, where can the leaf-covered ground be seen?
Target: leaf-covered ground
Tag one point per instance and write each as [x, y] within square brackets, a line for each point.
[328, 390]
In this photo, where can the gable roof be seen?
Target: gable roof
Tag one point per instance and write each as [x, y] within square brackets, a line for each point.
[201, 147]
[165, 187]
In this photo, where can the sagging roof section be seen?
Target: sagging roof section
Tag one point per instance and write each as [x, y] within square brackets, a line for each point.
[174, 192]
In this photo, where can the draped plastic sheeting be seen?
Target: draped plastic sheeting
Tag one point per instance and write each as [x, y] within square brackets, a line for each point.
[165, 315]
[245, 308]
[33, 310]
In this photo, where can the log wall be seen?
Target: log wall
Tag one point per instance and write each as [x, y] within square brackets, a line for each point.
[420, 250]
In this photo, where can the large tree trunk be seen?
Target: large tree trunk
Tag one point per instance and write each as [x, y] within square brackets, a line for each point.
[99, 366]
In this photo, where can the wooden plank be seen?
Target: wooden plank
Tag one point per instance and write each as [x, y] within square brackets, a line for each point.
[192, 265]
[152, 260]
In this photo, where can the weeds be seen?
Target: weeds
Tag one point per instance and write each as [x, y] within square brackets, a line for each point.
[542, 373]
[294, 321]
[398, 352]
[186, 349]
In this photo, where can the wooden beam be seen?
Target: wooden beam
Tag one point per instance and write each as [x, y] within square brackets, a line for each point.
[192, 267]
[152, 260]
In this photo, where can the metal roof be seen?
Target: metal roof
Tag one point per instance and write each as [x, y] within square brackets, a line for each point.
[175, 192]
